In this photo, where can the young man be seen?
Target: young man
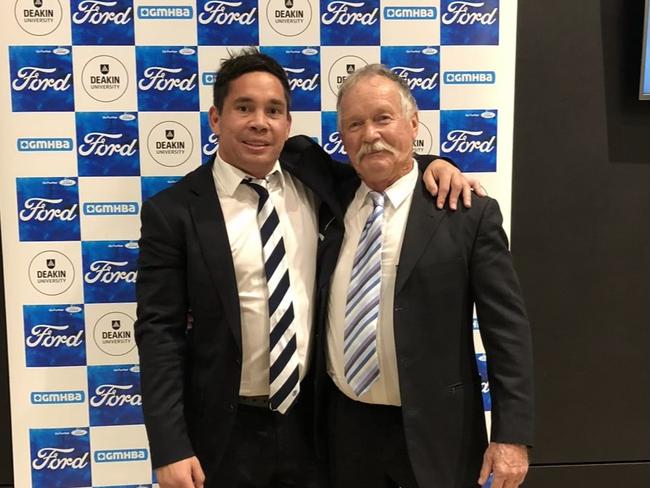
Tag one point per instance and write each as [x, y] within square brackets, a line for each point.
[227, 400]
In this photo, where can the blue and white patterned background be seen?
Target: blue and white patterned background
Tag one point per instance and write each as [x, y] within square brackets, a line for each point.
[104, 103]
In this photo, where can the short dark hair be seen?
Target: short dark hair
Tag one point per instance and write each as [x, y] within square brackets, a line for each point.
[246, 61]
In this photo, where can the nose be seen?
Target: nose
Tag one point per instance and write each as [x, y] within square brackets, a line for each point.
[370, 133]
[258, 120]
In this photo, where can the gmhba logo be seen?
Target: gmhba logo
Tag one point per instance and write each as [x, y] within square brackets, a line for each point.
[164, 12]
[469, 77]
[44, 144]
[410, 13]
[110, 208]
[57, 397]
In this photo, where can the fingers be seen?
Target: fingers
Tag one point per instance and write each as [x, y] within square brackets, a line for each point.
[486, 468]
[467, 196]
[508, 463]
[476, 186]
[443, 189]
[430, 181]
[509, 480]
[458, 187]
[197, 474]
[445, 181]
[186, 473]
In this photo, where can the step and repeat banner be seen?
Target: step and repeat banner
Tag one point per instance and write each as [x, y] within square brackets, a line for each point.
[104, 103]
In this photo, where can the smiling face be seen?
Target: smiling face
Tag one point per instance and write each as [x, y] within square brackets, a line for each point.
[254, 123]
[378, 136]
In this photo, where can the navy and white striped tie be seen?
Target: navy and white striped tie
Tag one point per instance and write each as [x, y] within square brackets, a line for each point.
[284, 377]
[362, 307]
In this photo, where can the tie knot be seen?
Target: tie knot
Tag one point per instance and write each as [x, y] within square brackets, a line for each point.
[258, 185]
[377, 199]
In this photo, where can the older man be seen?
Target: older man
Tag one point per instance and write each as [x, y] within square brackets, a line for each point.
[406, 409]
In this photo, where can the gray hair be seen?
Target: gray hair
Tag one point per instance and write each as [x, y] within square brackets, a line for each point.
[409, 105]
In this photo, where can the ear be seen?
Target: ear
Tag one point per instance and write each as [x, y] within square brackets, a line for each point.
[415, 124]
[288, 125]
[214, 119]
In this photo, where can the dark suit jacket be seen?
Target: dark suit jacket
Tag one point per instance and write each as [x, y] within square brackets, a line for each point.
[449, 261]
[190, 377]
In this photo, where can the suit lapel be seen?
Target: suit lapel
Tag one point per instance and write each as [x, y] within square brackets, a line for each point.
[213, 240]
[423, 221]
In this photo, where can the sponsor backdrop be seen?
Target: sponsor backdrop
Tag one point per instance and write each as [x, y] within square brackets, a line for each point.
[104, 103]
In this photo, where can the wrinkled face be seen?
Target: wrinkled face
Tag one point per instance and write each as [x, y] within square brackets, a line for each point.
[254, 123]
[376, 133]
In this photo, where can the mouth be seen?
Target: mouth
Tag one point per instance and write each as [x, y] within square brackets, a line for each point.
[254, 144]
[374, 153]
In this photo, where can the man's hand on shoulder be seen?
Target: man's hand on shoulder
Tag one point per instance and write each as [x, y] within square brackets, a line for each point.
[186, 473]
[507, 462]
[443, 179]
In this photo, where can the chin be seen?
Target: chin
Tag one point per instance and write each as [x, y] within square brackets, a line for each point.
[376, 165]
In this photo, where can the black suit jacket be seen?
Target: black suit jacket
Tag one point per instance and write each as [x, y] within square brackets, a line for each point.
[449, 261]
[190, 377]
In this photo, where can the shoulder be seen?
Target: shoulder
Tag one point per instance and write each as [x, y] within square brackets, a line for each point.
[297, 145]
[188, 185]
[302, 153]
[481, 207]
[306, 160]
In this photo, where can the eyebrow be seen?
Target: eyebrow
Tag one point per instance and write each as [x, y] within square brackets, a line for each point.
[274, 101]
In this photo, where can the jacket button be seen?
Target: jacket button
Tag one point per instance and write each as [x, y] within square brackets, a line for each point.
[398, 309]
[238, 361]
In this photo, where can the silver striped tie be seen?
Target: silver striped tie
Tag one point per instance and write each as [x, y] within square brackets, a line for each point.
[362, 307]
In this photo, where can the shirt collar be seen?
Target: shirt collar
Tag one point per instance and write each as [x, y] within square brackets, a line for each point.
[396, 193]
[229, 177]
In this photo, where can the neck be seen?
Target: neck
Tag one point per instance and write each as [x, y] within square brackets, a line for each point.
[381, 185]
[259, 172]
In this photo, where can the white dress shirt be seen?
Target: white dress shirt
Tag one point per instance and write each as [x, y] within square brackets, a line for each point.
[296, 208]
[385, 391]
